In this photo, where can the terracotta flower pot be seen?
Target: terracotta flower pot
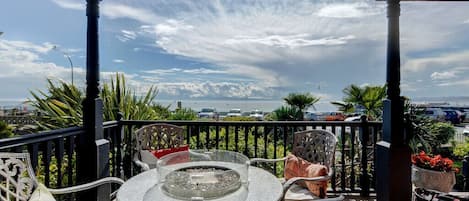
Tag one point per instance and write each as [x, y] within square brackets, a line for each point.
[433, 180]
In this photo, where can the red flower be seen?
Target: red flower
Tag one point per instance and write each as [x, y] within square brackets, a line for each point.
[437, 162]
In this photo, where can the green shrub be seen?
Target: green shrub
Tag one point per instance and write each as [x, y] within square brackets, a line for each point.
[5, 130]
[239, 119]
[429, 135]
[183, 114]
[461, 149]
[249, 150]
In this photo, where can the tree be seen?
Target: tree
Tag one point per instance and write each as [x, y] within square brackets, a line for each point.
[61, 105]
[370, 98]
[343, 106]
[287, 113]
[301, 101]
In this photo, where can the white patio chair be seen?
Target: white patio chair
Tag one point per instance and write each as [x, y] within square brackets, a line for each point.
[315, 146]
[154, 137]
[18, 182]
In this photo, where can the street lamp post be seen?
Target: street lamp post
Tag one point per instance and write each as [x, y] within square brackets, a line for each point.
[68, 57]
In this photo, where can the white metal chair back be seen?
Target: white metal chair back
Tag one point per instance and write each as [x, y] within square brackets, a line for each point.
[159, 136]
[17, 180]
[316, 146]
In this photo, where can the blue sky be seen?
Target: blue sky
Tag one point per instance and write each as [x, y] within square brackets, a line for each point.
[236, 49]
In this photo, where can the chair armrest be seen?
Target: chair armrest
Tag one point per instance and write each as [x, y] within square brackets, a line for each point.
[265, 160]
[82, 187]
[293, 180]
[142, 165]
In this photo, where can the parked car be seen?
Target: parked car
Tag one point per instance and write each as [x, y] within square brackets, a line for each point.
[234, 113]
[314, 116]
[208, 113]
[257, 114]
[353, 118]
[435, 113]
[452, 116]
[335, 116]
[466, 130]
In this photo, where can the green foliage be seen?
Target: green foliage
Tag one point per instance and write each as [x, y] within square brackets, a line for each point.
[461, 149]
[301, 101]
[239, 119]
[368, 97]
[117, 96]
[183, 114]
[54, 170]
[343, 106]
[5, 130]
[442, 131]
[287, 113]
[248, 150]
[429, 135]
[61, 106]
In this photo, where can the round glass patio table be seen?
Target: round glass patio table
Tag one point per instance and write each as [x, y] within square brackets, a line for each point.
[144, 187]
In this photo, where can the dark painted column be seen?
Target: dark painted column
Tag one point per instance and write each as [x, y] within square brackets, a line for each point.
[393, 171]
[93, 149]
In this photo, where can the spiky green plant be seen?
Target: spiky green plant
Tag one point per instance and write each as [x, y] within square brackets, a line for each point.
[61, 105]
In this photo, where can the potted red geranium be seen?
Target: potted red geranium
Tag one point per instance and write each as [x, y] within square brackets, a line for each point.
[433, 172]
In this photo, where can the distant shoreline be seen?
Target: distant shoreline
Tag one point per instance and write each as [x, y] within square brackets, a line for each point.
[247, 105]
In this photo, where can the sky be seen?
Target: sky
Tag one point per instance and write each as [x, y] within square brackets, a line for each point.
[236, 49]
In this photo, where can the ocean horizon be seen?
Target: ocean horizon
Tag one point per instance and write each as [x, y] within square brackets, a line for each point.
[250, 104]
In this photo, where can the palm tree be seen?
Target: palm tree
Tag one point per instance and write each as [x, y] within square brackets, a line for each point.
[301, 101]
[370, 98]
[343, 106]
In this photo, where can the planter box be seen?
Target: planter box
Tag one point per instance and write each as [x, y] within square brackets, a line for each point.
[433, 180]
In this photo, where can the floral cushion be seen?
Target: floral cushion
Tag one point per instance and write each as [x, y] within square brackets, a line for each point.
[298, 167]
[41, 194]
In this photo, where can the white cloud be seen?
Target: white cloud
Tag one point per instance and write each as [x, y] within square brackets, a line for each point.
[293, 41]
[355, 10]
[171, 27]
[464, 82]
[188, 71]
[443, 75]
[68, 4]
[115, 10]
[23, 68]
[163, 71]
[203, 71]
[127, 35]
[118, 61]
[444, 60]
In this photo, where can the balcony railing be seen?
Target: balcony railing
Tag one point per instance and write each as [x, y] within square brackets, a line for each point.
[53, 152]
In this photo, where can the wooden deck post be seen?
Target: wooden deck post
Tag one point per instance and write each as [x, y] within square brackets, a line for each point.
[393, 173]
[93, 149]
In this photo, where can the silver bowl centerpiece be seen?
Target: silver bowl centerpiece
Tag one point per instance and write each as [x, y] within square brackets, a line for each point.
[204, 175]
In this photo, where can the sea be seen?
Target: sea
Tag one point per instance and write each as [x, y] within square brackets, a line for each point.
[247, 105]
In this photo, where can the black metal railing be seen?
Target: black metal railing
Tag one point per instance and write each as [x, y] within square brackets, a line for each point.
[354, 167]
[53, 153]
